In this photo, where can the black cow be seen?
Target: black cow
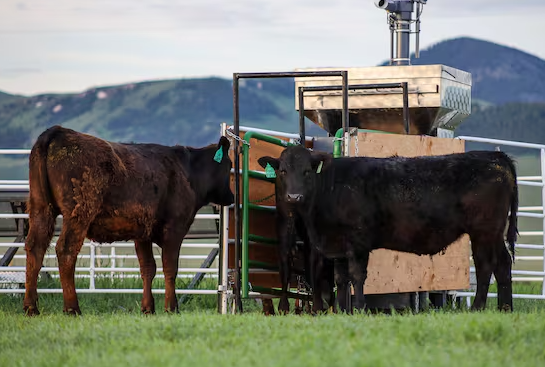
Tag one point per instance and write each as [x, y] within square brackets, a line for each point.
[290, 226]
[115, 192]
[421, 205]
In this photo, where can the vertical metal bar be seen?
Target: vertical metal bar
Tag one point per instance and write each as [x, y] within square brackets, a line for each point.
[301, 116]
[406, 122]
[417, 31]
[112, 264]
[224, 250]
[391, 40]
[344, 113]
[92, 266]
[245, 217]
[543, 208]
[236, 123]
[225, 260]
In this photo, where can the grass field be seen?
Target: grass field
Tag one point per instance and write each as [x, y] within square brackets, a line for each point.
[113, 333]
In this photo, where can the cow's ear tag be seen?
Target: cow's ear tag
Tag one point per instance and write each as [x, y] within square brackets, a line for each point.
[319, 169]
[269, 171]
[219, 155]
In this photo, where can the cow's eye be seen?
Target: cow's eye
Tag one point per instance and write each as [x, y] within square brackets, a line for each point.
[283, 172]
[306, 173]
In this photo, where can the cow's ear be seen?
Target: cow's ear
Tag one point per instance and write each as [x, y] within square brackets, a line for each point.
[263, 161]
[224, 143]
[320, 160]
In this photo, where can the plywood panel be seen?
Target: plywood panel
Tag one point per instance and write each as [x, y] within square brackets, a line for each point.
[386, 145]
[392, 271]
[261, 223]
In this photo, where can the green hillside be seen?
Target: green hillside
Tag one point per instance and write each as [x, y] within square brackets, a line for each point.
[507, 105]
[500, 74]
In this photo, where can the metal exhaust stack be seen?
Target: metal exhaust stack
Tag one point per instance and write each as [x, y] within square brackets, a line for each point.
[400, 19]
[439, 96]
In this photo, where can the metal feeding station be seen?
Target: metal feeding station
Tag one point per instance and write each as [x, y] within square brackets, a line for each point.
[439, 96]
[376, 111]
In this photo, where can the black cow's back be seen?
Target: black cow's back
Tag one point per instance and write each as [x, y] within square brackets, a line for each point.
[418, 205]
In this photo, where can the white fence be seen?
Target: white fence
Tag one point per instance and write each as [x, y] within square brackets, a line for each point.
[524, 211]
[108, 259]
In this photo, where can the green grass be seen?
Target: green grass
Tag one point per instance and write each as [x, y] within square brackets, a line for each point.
[207, 339]
[113, 332]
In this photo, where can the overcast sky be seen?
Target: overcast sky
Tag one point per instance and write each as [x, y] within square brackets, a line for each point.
[72, 45]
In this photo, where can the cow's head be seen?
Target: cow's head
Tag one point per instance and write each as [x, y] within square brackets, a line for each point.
[296, 172]
[219, 172]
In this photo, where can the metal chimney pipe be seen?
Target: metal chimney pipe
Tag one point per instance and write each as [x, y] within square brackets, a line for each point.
[399, 20]
[403, 32]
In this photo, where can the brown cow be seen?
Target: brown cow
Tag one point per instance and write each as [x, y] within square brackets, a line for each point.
[116, 192]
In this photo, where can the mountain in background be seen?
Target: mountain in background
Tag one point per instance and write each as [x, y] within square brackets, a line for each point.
[508, 95]
[500, 74]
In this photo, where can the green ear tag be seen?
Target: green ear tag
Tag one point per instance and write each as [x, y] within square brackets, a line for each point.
[219, 155]
[269, 171]
[319, 169]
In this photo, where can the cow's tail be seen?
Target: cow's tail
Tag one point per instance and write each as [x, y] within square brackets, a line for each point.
[40, 197]
[512, 230]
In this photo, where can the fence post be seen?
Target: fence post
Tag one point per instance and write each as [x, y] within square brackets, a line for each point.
[112, 264]
[542, 161]
[92, 266]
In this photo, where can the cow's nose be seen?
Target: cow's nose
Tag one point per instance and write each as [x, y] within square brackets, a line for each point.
[294, 198]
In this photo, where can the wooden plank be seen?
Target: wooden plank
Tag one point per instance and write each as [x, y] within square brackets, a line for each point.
[392, 271]
[261, 224]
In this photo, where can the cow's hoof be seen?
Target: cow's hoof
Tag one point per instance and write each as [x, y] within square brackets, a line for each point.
[283, 307]
[72, 311]
[147, 311]
[476, 309]
[506, 308]
[31, 311]
[171, 311]
[268, 307]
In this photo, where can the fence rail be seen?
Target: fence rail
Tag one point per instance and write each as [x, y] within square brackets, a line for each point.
[524, 211]
[115, 259]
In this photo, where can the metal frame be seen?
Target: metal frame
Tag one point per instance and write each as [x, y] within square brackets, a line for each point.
[236, 122]
[318, 88]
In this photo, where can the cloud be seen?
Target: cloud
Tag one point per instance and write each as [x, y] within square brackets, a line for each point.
[20, 70]
[79, 43]
[13, 73]
[112, 60]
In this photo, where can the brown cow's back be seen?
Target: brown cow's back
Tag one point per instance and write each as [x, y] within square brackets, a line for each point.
[120, 188]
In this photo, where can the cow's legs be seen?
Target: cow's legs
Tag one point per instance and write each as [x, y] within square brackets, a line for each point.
[317, 275]
[342, 281]
[170, 256]
[148, 269]
[502, 273]
[357, 266]
[42, 226]
[173, 235]
[330, 279]
[287, 238]
[68, 247]
[484, 259]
